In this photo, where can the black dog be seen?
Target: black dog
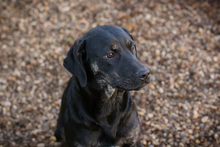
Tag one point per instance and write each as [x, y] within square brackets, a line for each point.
[96, 108]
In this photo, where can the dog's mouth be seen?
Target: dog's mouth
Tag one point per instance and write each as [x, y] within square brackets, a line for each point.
[141, 86]
[143, 83]
[136, 85]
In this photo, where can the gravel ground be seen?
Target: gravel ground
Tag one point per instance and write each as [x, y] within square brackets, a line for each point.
[179, 41]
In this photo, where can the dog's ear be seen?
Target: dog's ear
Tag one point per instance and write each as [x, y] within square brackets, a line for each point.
[129, 33]
[73, 62]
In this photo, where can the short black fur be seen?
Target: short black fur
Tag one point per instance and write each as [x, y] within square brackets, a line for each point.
[97, 109]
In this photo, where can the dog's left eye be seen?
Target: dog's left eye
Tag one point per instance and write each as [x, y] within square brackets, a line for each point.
[133, 48]
[110, 55]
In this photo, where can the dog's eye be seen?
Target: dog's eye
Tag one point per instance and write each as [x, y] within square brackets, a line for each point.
[133, 48]
[110, 55]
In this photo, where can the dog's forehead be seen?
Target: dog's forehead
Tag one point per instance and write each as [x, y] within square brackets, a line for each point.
[103, 37]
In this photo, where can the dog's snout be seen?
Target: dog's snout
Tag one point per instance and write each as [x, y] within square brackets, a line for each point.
[143, 73]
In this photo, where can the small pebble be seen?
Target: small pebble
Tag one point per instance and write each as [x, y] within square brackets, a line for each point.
[150, 115]
[53, 138]
[197, 141]
[40, 145]
[204, 119]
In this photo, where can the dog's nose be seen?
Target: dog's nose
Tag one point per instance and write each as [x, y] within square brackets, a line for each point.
[143, 73]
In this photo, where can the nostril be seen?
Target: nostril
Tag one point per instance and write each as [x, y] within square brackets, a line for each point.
[143, 73]
[143, 76]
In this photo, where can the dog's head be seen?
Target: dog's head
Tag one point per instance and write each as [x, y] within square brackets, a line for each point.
[106, 55]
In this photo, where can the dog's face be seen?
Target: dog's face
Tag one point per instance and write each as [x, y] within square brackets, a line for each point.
[107, 56]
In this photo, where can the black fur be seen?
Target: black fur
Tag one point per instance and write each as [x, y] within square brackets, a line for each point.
[96, 108]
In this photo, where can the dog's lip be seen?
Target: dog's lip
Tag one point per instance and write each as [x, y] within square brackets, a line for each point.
[142, 83]
[145, 82]
[139, 86]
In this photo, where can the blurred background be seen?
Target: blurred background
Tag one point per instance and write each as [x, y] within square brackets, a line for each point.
[178, 40]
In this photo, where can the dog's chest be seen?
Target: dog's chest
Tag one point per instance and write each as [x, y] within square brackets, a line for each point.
[125, 134]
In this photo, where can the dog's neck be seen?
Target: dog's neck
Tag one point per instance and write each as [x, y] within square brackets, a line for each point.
[107, 91]
[106, 98]
[107, 107]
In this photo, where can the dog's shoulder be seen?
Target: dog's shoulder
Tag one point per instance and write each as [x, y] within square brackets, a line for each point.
[73, 84]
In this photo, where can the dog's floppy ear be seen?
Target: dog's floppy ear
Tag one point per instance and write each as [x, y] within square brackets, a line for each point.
[129, 33]
[73, 62]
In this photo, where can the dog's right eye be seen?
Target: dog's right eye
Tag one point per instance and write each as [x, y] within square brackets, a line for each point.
[133, 48]
[110, 55]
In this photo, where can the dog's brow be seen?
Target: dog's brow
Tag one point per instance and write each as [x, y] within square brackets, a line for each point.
[115, 47]
[128, 42]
